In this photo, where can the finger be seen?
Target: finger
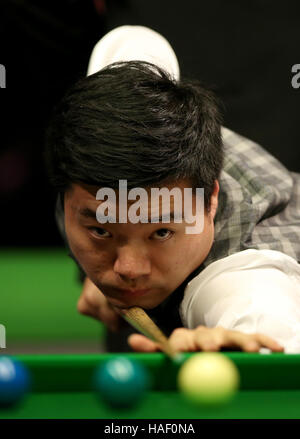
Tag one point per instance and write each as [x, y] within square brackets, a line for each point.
[183, 340]
[91, 298]
[250, 342]
[208, 346]
[268, 342]
[105, 316]
[140, 343]
[208, 339]
[205, 339]
[83, 307]
[110, 318]
[214, 339]
[242, 341]
[89, 288]
[92, 302]
[249, 345]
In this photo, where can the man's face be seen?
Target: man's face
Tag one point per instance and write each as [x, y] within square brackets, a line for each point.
[134, 264]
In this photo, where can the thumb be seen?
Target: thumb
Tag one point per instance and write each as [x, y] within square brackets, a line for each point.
[140, 343]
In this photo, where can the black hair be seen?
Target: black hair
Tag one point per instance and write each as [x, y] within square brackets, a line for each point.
[132, 121]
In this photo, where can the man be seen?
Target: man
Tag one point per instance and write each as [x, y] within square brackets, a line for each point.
[236, 283]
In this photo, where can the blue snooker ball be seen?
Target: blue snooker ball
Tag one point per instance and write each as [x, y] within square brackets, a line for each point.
[121, 382]
[14, 381]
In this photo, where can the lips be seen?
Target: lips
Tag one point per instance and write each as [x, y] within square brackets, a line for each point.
[134, 292]
[119, 294]
[123, 298]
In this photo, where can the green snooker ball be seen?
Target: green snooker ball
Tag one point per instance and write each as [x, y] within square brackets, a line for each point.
[121, 382]
[208, 379]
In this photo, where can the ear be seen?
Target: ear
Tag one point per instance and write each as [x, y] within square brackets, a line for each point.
[214, 200]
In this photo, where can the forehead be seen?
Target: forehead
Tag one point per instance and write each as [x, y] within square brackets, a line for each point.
[177, 205]
[84, 192]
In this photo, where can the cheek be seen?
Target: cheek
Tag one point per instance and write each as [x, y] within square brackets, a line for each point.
[94, 262]
[85, 251]
[77, 239]
[193, 251]
[174, 261]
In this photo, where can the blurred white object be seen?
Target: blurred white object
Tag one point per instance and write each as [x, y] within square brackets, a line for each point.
[252, 291]
[265, 351]
[134, 43]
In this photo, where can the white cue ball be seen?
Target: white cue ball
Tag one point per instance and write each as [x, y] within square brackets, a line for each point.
[208, 379]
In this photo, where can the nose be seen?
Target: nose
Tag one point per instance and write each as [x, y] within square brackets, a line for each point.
[131, 263]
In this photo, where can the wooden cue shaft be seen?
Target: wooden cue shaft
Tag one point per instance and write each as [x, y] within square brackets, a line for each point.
[140, 320]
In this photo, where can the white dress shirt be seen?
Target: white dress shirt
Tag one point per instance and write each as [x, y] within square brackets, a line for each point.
[253, 291]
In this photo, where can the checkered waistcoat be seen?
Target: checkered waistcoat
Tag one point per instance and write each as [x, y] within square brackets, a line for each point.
[259, 202]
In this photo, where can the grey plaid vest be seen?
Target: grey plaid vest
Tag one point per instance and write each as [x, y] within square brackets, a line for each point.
[259, 202]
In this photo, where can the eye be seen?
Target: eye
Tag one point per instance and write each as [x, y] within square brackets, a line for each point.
[163, 234]
[99, 232]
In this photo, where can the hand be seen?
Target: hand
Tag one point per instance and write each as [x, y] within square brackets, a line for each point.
[207, 339]
[92, 302]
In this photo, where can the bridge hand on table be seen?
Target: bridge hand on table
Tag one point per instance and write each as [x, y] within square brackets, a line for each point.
[207, 339]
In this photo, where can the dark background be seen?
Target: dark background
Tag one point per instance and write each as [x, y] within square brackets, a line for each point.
[243, 50]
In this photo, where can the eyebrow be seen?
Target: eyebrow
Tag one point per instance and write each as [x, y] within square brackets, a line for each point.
[161, 217]
[89, 213]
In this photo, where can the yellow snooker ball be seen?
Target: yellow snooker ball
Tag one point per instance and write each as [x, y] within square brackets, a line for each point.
[208, 379]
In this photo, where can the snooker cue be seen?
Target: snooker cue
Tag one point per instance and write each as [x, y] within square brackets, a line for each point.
[140, 320]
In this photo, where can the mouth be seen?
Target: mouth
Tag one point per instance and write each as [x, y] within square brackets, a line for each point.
[133, 293]
[146, 298]
[121, 298]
